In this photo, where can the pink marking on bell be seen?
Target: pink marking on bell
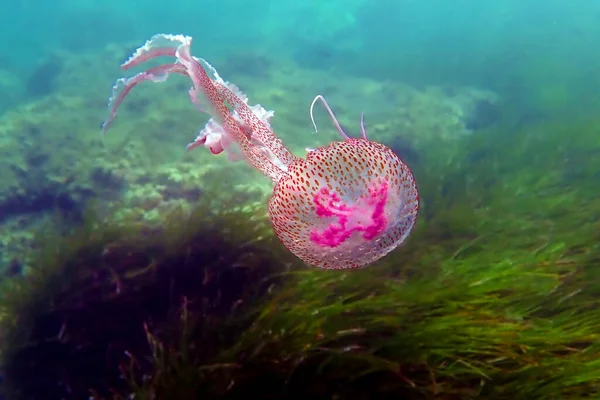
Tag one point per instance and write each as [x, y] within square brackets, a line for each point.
[369, 218]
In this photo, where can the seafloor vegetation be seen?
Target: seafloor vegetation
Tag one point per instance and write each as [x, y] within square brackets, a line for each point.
[495, 295]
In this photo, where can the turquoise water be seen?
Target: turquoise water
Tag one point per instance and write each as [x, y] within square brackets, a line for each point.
[463, 91]
[517, 48]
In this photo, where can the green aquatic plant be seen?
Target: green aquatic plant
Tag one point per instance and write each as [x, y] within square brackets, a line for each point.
[475, 329]
[495, 297]
[174, 370]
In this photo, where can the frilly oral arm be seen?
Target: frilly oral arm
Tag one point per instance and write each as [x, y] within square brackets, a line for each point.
[124, 85]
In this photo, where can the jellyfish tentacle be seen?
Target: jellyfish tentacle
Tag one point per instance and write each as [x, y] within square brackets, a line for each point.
[205, 87]
[203, 94]
[123, 86]
[160, 45]
[331, 115]
[259, 130]
[363, 129]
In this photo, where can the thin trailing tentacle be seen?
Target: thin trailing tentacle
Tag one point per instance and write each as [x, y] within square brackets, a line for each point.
[331, 115]
[363, 130]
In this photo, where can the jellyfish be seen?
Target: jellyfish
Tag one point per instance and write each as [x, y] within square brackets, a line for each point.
[345, 205]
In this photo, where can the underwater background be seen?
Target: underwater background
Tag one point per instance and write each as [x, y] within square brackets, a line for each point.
[131, 267]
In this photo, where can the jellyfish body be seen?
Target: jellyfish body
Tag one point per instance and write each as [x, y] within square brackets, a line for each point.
[345, 206]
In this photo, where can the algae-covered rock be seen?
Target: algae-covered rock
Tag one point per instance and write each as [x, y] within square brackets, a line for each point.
[82, 318]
